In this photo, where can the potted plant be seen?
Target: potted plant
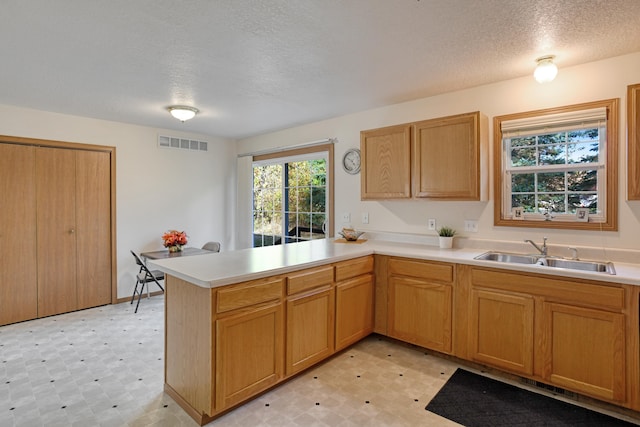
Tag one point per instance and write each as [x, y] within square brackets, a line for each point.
[445, 236]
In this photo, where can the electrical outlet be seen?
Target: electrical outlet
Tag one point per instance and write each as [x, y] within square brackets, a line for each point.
[365, 217]
[346, 217]
[471, 226]
[432, 224]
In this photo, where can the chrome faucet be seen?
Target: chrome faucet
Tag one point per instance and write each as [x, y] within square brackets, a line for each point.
[543, 249]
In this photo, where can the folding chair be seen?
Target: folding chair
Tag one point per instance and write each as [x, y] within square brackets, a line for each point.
[143, 277]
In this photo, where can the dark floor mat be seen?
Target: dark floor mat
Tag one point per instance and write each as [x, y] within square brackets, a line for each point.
[477, 401]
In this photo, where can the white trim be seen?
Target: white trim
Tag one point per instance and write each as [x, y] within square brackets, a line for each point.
[595, 117]
[290, 159]
[291, 147]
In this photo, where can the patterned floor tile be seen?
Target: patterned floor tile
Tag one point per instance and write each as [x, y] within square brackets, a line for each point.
[104, 367]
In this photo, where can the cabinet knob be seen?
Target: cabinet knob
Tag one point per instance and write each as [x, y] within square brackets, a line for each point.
[72, 231]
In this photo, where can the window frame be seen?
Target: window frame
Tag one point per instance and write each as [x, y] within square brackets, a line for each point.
[610, 220]
[290, 155]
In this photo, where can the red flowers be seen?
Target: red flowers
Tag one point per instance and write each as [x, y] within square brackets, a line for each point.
[174, 238]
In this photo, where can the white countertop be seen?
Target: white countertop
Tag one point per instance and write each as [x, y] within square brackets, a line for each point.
[224, 268]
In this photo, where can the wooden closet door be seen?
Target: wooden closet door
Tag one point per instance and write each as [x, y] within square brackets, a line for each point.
[18, 281]
[93, 231]
[56, 230]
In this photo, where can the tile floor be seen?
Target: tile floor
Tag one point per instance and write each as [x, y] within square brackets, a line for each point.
[104, 367]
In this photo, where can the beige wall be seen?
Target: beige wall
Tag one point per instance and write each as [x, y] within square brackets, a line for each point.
[590, 82]
[157, 188]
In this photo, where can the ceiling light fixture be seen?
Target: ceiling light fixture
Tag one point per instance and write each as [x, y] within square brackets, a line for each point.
[182, 112]
[546, 70]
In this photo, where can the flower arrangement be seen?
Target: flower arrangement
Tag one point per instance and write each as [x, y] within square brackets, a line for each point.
[174, 240]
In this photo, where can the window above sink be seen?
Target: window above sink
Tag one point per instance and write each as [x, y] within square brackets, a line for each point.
[557, 168]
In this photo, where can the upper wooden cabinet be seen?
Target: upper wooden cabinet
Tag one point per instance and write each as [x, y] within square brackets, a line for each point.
[448, 157]
[438, 159]
[633, 142]
[386, 163]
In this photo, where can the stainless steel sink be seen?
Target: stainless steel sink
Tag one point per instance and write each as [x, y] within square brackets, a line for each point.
[599, 267]
[594, 266]
[508, 257]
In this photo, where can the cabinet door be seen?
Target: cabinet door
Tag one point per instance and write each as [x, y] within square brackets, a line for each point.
[501, 330]
[249, 350]
[56, 231]
[93, 228]
[447, 158]
[354, 310]
[386, 163]
[420, 312]
[633, 142]
[18, 279]
[310, 329]
[584, 350]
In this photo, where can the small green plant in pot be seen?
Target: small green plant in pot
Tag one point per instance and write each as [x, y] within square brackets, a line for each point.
[446, 237]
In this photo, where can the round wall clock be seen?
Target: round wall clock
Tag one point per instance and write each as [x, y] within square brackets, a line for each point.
[351, 161]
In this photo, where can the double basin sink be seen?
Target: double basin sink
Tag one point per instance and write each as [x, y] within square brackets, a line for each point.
[548, 261]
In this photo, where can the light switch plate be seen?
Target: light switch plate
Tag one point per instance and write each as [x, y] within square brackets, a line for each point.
[432, 224]
[471, 226]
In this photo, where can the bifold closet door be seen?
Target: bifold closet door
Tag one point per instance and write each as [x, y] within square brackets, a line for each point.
[93, 234]
[18, 286]
[56, 230]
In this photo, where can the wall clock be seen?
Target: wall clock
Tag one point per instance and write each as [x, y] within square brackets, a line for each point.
[351, 161]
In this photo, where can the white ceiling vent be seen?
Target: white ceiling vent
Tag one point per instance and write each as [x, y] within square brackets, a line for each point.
[182, 143]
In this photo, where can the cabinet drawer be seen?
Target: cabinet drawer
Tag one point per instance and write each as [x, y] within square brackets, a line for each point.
[352, 268]
[553, 288]
[309, 279]
[249, 293]
[422, 269]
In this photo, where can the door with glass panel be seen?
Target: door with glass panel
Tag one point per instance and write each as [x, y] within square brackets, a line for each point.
[290, 199]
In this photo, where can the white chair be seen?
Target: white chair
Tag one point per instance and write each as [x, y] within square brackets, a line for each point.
[212, 246]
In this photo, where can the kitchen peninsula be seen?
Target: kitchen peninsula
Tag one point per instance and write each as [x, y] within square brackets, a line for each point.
[238, 323]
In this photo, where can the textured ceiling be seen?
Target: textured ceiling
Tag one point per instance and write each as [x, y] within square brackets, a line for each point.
[253, 66]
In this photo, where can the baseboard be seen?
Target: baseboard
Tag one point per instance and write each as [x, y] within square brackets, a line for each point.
[128, 299]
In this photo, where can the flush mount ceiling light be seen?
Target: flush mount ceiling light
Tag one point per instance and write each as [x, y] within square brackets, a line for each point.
[182, 112]
[546, 70]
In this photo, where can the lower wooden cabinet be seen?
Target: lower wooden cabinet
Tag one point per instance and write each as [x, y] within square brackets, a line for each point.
[584, 349]
[249, 354]
[310, 329]
[225, 345]
[501, 330]
[420, 303]
[579, 335]
[354, 310]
